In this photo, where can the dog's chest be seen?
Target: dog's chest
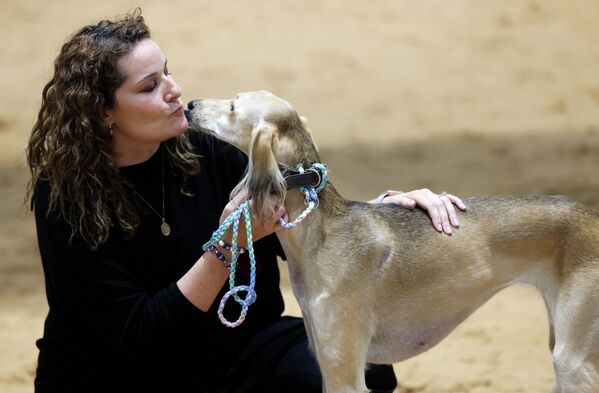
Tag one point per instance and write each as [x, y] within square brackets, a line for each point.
[396, 342]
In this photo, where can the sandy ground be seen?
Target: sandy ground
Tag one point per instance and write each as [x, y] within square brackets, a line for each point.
[470, 96]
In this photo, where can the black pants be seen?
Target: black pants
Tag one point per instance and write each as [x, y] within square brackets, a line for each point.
[278, 360]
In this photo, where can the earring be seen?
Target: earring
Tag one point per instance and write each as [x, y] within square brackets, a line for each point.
[110, 129]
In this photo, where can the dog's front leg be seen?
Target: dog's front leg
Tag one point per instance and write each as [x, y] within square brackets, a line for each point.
[340, 340]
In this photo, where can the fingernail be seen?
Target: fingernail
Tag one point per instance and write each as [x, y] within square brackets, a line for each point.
[439, 228]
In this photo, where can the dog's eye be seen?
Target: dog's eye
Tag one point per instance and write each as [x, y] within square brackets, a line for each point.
[232, 107]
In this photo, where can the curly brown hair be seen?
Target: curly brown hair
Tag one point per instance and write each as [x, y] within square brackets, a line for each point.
[71, 144]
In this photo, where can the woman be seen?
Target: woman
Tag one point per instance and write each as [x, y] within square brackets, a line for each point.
[124, 198]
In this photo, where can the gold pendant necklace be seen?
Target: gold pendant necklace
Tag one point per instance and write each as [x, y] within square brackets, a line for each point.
[164, 227]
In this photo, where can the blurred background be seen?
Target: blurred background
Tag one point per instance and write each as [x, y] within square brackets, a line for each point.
[474, 97]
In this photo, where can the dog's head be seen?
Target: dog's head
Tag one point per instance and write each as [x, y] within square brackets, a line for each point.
[268, 130]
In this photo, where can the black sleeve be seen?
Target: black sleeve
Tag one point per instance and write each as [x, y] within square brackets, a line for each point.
[104, 290]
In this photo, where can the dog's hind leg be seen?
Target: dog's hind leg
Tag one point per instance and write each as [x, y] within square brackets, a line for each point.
[340, 341]
[576, 350]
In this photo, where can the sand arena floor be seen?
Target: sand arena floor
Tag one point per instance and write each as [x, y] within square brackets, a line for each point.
[469, 96]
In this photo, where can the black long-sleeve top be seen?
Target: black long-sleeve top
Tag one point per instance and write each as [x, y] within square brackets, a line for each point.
[117, 321]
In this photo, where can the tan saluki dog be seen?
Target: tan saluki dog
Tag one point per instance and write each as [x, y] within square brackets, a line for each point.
[377, 284]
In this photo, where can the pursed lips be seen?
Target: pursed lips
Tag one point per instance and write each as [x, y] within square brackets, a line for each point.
[178, 110]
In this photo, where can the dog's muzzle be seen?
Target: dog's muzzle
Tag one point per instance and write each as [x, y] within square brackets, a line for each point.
[188, 115]
[190, 106]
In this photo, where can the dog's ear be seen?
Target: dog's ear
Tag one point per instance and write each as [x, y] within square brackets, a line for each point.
[263, 181]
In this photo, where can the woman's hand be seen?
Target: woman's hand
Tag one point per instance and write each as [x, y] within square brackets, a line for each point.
[440, 207]
[259, 229]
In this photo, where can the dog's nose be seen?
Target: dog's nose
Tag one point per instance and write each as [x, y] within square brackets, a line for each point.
[192, 104]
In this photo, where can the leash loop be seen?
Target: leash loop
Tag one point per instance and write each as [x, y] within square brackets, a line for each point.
[251, 295]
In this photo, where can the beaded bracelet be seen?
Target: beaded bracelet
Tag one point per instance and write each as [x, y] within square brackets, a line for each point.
[228, 247]
[212, 248]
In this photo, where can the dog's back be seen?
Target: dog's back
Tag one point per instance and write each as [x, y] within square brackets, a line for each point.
[526, 226]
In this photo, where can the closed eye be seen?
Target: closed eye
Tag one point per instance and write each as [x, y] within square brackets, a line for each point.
[150, 87]
[232, 106]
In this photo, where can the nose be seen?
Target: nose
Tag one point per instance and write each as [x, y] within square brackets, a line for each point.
[173, 92]
[188, 115]
[192, 104]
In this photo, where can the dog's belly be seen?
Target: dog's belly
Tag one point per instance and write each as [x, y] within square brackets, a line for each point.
[396, 342]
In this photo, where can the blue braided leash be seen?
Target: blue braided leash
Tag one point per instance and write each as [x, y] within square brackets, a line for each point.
[311, 202]
[250, 297]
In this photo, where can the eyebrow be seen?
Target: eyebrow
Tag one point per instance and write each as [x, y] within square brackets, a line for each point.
[152, 74]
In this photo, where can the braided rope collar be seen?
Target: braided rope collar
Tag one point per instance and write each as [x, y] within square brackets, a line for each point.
[310, 192]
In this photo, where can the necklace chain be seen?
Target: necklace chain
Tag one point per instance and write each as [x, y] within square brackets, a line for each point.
[165, 228]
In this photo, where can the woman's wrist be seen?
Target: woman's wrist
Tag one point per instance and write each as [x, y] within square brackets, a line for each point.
[202, 283]
[229, 247]
[241, 237]
[221, 254]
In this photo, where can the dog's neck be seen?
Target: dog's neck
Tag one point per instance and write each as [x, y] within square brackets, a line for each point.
[311, 230]
[331, 205]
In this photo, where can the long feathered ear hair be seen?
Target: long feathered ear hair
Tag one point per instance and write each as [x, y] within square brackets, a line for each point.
[263, 182]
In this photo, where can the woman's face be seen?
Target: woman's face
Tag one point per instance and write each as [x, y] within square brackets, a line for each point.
[147, 108]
